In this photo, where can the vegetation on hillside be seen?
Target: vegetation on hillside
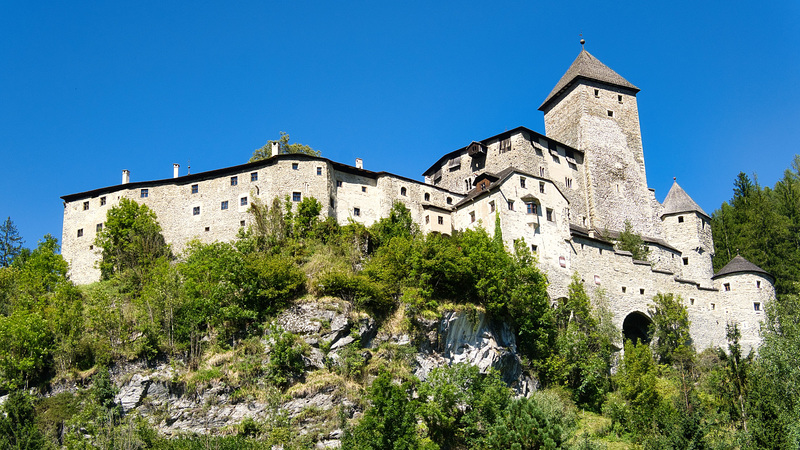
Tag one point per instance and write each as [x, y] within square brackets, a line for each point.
[218, 301]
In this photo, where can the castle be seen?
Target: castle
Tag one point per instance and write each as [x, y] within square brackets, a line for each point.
[567, 193]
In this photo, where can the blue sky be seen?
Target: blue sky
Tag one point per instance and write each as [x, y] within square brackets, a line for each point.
[90, 88]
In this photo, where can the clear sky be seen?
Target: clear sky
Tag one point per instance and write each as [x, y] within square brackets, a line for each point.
[90, 88]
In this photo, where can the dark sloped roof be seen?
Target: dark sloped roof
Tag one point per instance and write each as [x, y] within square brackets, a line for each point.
[588, 67]
[739, 265]
[678, 201]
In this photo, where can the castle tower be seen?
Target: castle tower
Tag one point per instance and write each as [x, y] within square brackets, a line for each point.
[593, 109]
[688, 228]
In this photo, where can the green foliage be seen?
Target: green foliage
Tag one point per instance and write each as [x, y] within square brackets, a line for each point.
[541, 422]
[399, 224]
[390, 423]
[25, 343]
[276, 280]
[284, 147]
[670, 329]
[629, 241]
[460, 404]
[637, 400]
[285, 357]
[10, 243]
[356, 288]
[130, 240]
[17, 424]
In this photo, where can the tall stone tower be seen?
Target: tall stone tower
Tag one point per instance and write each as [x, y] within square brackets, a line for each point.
[688, 228]
[593, 109]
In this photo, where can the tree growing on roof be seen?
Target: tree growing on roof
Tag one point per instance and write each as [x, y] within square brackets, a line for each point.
[284, 147]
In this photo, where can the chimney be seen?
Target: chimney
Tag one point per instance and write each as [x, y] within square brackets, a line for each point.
[176, 168]
[126, 176]
[274, 149]
[359, 163]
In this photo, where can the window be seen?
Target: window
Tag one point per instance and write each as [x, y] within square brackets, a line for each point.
[427, 197]
[241, 223]
[332, 202]
[756, 306]
[357, 212]
[144, 193]
[80, 232]
[541, 171]
[234, 181]
[555, 159]
[568, 182]
[363, 189]
[610, 113]
[619, 98]
[549, 215]
[641, 291]
[597, 93]
[196, 211]
[680, 219]
[624, 289]
[713, 306]
[491, 206]
[511, 205]
[534, 248]
[254, 176]
[403, 191]
[758, 284]
[296, 196]
[505, 145]
[243, 201]
[686, 261]
[207, 229]
[472, 216]
[541, 187]
[99, 227]
[530, 208]
[338, 183]
[449, 200]
[522, 182]
[102, 201]
[319, 170]
[691, 301]
[195, 189]
[85, 206]
[441, 220]
[427, 220]
[295, 166]
[727, 286]
[223, 205]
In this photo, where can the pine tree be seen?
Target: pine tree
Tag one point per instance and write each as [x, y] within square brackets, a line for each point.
[10, 243]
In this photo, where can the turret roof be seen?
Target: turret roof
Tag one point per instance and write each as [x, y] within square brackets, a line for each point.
[738, 265]
[588, 67]
[678, 201]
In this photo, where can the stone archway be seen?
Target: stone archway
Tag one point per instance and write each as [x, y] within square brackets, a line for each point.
[636, 327]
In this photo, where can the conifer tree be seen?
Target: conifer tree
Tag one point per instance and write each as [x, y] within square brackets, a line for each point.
[10, 243]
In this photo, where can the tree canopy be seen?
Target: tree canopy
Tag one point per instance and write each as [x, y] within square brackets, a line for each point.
[284, 147]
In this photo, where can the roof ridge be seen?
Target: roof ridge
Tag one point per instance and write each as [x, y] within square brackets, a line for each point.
[678, 201]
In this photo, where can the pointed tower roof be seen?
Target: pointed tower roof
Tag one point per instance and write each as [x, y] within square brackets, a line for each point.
[588, 67]
[678, 201]
[738, 265]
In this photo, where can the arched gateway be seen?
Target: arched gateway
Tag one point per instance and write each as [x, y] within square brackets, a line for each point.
[636, 327]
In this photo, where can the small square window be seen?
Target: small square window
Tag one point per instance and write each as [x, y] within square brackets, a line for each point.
[357, 212]
[338, 183]
[208, 229]
[549, 215]
[441, 220]
[427, 197]
[80, 232]
[534, 248]
[363, 189]
[403, 191]
[472, 216]
[756, 306]
[610, 113]
[295, 166]
[254, 176]
[449, 200]
[727, 286]
[680, 219]
[243, 201]
[223, 205]
[597, 92]
[624, 289]
[196, 211]
[85, 206]
[102, 201]
[641, 291]
[144, 193]
[541, 187]
[491, 206]
[319, 170]
[511, 205]
[195, 189]
[99, 227]
[522, 182]
[686, 261]
[296, 196]
[234, 181]
[241, 223]
[713, 306]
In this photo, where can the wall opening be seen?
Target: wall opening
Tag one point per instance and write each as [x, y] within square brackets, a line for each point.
[636, 327]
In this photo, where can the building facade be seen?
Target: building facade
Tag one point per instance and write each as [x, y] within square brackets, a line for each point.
[567, 193]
